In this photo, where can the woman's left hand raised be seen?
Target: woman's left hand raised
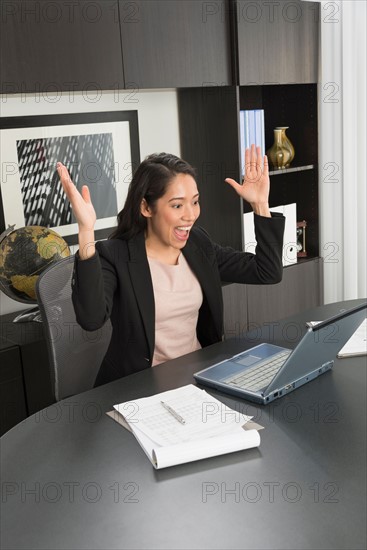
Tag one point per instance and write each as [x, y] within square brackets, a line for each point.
[256, 184]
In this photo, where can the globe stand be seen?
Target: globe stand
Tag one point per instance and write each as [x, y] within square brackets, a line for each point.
[33, 314]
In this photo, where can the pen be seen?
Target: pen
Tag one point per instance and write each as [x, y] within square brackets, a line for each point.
[173, 412]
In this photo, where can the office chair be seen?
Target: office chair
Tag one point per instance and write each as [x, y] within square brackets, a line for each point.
[75, 354]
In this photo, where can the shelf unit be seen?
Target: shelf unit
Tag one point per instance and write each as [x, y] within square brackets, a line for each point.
[209, 122]
[210, 140]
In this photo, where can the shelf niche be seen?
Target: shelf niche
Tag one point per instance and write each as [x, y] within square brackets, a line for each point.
[210, 141]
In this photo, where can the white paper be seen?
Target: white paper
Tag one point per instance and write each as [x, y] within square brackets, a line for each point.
[215, 446]
[211, 428]
[357, 343]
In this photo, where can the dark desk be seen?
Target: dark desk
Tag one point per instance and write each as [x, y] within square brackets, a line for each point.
[73, 478]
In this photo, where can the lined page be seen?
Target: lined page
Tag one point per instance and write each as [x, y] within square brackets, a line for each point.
[210, 429]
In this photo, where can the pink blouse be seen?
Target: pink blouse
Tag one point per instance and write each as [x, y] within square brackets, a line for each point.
[178, 297]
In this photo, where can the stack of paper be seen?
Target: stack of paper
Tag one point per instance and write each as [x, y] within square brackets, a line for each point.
[184, 425]
[357, 344]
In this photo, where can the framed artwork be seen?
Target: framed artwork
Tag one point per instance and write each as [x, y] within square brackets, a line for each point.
[99, 149]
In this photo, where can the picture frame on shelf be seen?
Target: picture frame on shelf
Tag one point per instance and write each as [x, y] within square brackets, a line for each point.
[100, 149]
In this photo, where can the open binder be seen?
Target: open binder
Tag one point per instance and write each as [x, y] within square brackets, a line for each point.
[185, 424]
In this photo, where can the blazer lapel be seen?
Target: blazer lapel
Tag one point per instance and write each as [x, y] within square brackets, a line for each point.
[208, 279]
[142, 284]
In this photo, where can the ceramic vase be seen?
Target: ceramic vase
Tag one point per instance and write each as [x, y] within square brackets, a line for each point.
[279, 153]
[286, 141]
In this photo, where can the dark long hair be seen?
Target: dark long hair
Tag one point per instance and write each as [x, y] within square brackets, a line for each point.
[149, 182]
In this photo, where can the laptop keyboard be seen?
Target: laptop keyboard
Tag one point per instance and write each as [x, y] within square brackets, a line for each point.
[259, 376]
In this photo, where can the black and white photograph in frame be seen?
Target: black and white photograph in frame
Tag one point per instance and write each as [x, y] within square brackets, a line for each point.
[100, 150]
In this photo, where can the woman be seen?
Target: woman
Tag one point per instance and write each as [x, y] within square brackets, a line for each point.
[159, 276]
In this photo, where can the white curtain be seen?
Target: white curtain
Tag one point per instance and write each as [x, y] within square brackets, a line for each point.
[342, 123]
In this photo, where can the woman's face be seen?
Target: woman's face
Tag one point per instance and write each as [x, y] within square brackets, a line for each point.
[170, 221]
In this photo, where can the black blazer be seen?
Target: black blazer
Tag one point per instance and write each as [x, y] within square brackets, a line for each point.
[116, 283]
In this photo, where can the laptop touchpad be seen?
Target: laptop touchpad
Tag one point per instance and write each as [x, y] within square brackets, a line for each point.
[248, 360]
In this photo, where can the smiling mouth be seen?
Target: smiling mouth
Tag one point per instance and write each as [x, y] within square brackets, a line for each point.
[182, 232]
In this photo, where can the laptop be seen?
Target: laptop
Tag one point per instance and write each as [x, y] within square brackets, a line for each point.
[267, 372]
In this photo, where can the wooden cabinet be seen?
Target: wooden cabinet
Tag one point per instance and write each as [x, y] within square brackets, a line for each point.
[235, 321]
[12, 396]
[25, 382]
[209, 135]
[277, 42]
[248, 307]
[210, 140]
[49, 47]
[299, 290]
[178, 43]
[64, 45]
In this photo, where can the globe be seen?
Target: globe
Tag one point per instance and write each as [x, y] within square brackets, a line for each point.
[24, 254]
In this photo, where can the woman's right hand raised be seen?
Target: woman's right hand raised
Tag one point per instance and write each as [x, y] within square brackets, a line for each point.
[80, 202]
[83, 211]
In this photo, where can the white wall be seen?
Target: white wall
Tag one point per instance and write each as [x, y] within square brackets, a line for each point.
[157, 115]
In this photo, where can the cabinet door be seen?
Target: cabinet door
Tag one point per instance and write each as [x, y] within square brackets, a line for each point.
[209, 141]
[235, 322]
[248, 307]
[299, 290]
[12, 398]
[277, 42]
[178, 43]
[49, 47]
[32, 350]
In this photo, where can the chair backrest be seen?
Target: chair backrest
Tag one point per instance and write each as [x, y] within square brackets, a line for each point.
[75, 354]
